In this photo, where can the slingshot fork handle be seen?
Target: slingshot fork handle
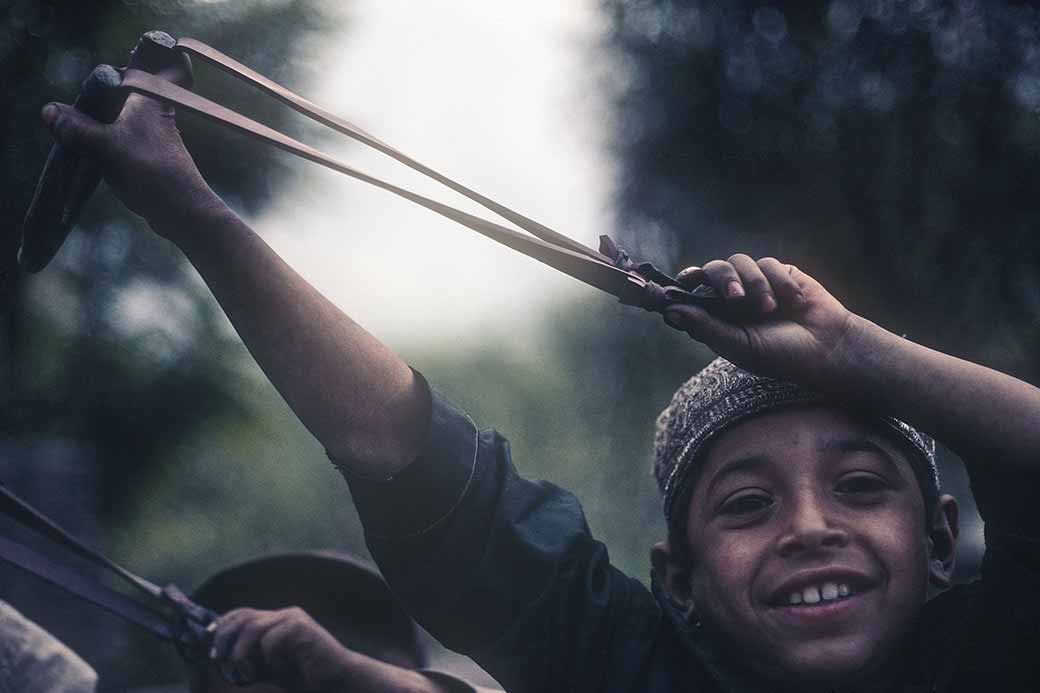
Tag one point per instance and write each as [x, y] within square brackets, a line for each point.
[68, 180]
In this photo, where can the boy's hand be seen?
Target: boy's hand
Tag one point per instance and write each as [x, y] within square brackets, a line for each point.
[285, 647]
[142, 157]
[291, 650]
[778, 320]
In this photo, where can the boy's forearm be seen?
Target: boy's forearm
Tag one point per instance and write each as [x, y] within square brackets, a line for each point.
[972, 409]
[364, 674]
[353, 393]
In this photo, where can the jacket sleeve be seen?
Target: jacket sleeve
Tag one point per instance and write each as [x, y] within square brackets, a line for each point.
[1009, 503]
[505, 569]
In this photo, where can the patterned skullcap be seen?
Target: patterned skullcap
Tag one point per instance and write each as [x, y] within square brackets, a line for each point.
[722, 395]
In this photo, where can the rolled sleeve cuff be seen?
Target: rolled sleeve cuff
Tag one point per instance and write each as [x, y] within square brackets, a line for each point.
[454, 684]
[424, 493]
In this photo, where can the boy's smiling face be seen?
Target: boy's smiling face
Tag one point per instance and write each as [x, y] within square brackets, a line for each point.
[810, 553]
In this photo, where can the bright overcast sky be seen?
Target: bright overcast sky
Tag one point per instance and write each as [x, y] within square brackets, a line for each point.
[503, 97]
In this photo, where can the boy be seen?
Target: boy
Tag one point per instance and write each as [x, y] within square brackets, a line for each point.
[803, 536]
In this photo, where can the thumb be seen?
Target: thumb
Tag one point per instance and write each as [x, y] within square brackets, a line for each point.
[713, 332]
[75, 130]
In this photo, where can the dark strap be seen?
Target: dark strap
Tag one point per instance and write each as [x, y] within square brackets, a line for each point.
[171, 615]
[28, 516]
[86, 588]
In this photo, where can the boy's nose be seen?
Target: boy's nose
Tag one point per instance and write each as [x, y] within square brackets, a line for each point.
[810, 527]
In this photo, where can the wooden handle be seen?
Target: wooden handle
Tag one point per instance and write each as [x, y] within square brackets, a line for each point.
[68, 180]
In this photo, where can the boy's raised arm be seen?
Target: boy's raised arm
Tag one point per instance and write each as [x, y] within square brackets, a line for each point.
[792, 328]
[353, 393]
[978, 412]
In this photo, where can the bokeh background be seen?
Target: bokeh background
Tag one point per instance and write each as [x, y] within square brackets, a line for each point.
[891, 148]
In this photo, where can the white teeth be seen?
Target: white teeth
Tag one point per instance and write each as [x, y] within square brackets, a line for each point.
[827, 592]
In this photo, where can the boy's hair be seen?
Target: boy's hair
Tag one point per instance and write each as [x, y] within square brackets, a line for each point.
[722, 395]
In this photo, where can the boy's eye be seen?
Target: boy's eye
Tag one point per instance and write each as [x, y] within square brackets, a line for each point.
[861, 483]
[746, 504]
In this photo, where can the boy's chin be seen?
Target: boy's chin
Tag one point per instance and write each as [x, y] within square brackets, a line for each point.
[832, 662]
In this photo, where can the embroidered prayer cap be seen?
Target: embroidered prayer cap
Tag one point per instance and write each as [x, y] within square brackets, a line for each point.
[722, 395]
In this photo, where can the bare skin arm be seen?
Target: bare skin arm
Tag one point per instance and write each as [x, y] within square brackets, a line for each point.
[973, 409]
[797, 331]
[353, 393]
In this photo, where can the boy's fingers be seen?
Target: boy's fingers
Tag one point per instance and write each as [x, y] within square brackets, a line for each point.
[75, 130]
[276, 646]
[723, 277]
[691, 277]
[228, 627]
[805, 283]
[272, 640]
[760, 293]
[782, 279]
[245, 653]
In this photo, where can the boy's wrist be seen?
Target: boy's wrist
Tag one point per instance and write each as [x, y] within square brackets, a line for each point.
[357, 672]
[194, 221]
[857, 358]
[337, 670]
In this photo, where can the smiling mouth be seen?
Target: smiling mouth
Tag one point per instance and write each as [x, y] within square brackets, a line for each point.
[824, 591]
[819, 595]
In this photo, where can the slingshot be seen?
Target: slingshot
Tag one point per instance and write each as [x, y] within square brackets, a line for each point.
[163, 611]
[160, 67]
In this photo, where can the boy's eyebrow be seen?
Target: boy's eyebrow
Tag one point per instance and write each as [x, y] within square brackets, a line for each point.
[858, 444]
[740, 464]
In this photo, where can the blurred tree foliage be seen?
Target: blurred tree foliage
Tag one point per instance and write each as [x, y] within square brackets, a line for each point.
[890, 147]
[114, 356]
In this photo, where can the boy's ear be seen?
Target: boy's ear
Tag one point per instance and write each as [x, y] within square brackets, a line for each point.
[942, 542]
[674, 575]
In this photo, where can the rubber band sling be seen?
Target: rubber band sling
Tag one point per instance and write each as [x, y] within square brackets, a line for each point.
[608, 269]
